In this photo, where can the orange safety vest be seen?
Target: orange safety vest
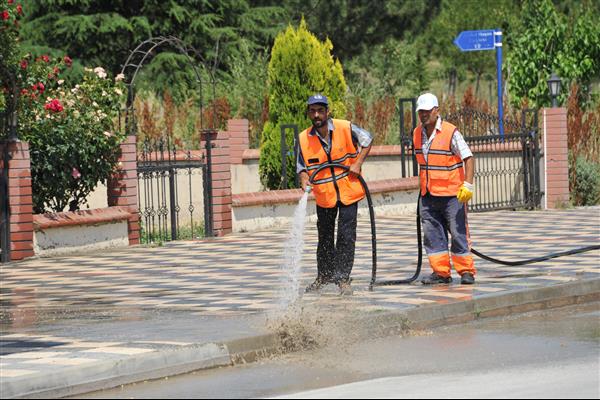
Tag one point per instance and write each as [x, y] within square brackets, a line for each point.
[443, 172]
[331, 185]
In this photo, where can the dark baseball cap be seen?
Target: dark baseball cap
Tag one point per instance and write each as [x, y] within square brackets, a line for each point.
[317, 99]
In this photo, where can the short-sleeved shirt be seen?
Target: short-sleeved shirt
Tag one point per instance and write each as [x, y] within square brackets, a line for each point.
[459, 146]
[359, 136]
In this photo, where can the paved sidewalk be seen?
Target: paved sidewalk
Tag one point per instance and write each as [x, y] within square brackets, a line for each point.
[78, 323]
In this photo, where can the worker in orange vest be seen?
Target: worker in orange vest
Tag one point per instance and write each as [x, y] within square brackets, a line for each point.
[336, 190]
[446, 169]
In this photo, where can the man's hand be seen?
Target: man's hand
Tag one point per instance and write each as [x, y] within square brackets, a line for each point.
[303, 175]
[355, 169]
[465, 192]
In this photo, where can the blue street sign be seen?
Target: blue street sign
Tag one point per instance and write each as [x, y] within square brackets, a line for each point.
[487, 39]
[475, 40]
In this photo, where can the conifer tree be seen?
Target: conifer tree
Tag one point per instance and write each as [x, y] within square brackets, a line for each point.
[300, 65]
[103, 33]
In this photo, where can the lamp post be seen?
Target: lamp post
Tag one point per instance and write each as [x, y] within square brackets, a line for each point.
[554, 84]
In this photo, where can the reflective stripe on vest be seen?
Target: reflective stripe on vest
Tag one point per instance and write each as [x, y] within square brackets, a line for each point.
[331, 185]
[442, 173]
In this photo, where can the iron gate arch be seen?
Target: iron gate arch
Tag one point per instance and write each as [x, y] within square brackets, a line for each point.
[507, 173]
[161, 165]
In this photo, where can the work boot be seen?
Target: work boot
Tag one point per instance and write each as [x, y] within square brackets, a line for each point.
[315, 286]
[435, 279]
[345, 288]
[467, 279]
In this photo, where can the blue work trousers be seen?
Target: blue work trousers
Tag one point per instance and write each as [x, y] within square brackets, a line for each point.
[440, 215]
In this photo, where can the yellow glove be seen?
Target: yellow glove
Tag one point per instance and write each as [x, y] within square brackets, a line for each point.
[465, 192]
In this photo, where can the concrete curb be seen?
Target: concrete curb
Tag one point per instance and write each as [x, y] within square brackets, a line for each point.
[168, 362]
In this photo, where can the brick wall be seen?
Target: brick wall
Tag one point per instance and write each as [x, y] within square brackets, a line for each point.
[238, 139]
[556, 176]
[20, 200]
[122, 187]
[221, 184]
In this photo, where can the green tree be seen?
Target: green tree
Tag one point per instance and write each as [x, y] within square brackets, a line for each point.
[10, 15]
[548, 41]
[103, 33]
[459, 15]
[356, 26]
[245, 88]
[394, 68]
[300, 66]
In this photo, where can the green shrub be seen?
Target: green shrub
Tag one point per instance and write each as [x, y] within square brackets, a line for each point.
[300, 66]
[10, 14]
[70, 130]
[587, 182]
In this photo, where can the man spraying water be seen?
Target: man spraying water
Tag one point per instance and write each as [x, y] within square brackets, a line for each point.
[336, 191]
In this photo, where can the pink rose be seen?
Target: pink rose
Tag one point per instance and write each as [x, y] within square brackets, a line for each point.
[5, 15]
[68, 61]
[75, 173]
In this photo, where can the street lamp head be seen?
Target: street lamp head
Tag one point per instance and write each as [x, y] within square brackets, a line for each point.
[554, 84]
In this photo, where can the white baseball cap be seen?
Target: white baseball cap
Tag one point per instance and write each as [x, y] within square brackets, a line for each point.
[426, 102]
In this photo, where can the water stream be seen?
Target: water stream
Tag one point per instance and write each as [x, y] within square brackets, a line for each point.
[292, 258]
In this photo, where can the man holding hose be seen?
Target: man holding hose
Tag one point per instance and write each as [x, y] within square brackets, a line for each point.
[336, 190]
[446, 170]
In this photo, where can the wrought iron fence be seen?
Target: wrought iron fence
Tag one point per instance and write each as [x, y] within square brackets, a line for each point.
[285, 153]
[4, 204]
[505, 172]
[171, 192]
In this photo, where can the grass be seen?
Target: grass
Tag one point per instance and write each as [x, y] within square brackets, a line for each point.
[184, 232]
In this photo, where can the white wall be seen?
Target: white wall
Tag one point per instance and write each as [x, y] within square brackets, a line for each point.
[80, 238]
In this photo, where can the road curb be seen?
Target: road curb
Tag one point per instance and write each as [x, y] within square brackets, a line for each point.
[112, 373]
[173, 361]
[496, 305]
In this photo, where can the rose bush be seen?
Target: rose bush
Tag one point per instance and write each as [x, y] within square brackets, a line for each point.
[10, 13]
[71, 131]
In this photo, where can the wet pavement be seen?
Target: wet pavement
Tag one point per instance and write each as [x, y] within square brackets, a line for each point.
[474, 360]
[68, 319]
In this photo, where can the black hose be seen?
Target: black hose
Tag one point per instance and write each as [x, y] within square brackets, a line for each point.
[419, 243]
[373, 233]
[537, 259]
[371, 212]
[419, 258]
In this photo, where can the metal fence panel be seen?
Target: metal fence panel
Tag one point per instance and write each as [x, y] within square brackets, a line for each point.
[4, 202]
[171, 193]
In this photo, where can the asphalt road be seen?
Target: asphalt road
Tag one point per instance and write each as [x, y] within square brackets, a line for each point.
[546, 354]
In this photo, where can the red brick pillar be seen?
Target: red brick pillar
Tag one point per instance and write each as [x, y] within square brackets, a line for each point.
[238, 139]
[20, 200]
[556, 159]
[122, 187]
[221, 184]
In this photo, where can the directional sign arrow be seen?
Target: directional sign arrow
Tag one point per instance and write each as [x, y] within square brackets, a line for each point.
[475, 40]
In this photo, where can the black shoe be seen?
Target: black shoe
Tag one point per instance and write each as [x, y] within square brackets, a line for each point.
[435, 279]
[315, 286]
[467, 279]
